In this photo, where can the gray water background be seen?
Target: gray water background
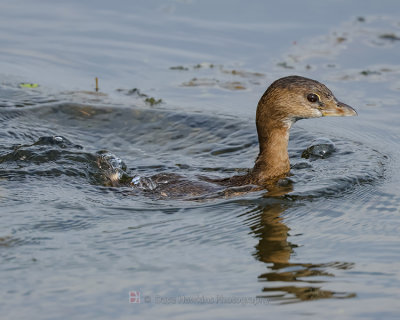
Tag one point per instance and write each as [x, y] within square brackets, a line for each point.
[72, 248]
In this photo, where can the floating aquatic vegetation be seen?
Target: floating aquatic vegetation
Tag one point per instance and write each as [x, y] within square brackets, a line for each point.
[136, 92]
[206, 65]
[195, 82]
[179, 68]
[28, 85]
[151, 101]
[284, 65]
[377, 73]
[233, 85]
[217, 72]
[203, 65]
[369, 72]
[230, 85]
[241, 73]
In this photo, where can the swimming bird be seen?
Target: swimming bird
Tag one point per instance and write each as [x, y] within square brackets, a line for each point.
[286, 101]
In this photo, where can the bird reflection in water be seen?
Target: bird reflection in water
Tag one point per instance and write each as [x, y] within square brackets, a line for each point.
[287, 282]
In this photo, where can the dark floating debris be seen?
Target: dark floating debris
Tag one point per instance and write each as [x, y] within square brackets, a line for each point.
[133, 91]
[389, 36]
[319, 148]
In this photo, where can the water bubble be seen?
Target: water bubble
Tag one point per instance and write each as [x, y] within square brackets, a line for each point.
[144, 183]
[319, 148]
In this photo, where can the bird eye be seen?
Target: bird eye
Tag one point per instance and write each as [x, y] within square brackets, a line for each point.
[312, 97]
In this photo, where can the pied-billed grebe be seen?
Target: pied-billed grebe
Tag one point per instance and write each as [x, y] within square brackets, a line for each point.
[286, 100]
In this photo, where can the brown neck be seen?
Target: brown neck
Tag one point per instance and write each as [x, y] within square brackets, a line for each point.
[273, 160]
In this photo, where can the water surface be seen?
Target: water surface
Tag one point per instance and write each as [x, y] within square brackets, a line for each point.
[72, 246]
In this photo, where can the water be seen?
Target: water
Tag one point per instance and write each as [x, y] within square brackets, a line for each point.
[323, 245]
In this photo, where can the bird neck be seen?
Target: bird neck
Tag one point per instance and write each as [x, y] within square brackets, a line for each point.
[273, 160]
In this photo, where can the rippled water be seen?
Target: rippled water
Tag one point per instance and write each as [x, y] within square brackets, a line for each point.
[72, 244]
